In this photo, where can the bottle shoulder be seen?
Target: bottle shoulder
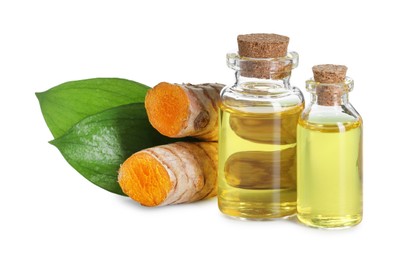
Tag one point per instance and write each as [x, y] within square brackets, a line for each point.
[344, 117]
[261, 98]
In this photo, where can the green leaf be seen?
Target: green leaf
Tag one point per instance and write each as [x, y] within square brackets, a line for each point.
[66, 104]
[99, 144]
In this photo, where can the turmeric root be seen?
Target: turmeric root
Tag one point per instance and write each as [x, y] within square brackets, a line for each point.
[184, 110]
[171, 174]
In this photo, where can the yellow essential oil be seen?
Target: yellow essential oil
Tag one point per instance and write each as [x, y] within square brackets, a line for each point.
[257, 130]
[330, 174]
[257, 163]
[329, 153]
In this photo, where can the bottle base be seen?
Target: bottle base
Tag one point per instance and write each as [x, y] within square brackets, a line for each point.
[330, 222]
[257, 211]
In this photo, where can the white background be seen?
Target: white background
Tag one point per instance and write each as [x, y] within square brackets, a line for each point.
[49, 211]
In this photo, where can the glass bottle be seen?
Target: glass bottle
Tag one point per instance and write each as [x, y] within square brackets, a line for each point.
[330, 152]
[257, 139]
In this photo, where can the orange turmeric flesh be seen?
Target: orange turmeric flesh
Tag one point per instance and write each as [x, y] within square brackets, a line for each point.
[167, 106]
[171, 174]
[179, 110]
[146, 180]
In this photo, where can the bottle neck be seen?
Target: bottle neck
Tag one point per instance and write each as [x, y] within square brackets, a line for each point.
[339, 100]
[263, 75]
[330, 94]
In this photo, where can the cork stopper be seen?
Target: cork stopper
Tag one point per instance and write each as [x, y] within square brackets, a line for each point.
[329, 73]
[329, 95]
[263, 46]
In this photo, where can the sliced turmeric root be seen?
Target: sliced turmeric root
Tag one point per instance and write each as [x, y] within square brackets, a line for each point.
[171, 174]
[184, 110]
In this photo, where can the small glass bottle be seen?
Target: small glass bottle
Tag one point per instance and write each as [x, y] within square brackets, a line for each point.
[257, 138]
[330, 152]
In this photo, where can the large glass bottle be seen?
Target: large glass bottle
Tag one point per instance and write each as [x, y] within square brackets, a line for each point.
[257, 141]
[330, 153]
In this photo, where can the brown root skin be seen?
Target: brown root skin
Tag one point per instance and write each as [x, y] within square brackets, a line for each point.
[171, 174]
[180, 110]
